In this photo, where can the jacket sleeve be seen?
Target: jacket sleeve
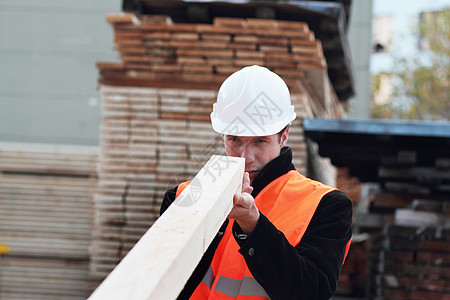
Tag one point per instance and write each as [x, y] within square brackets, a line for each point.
[168, 199]
[309, 270]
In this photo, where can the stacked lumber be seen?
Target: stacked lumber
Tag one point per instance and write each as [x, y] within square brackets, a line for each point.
[154, 51]
[354, 273]
[408, 256]
[46, 218]
[156, 48]
[412, 263]
[350, 185]
[155, 129]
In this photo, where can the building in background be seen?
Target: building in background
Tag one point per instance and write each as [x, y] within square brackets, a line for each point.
[382, 34]
[382, 45]
[410, 78]
[359, 35]
[48, 78]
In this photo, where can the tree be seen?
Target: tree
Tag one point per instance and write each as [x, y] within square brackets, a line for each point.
[420, 85]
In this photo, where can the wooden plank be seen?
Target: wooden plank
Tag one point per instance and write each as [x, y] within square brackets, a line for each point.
[191, 60]
[249, 54]
[156, 19]
[242, 46]
[410, 217]
[216, 37]
[229, 22]
[252, 39]
[293, 26]
[157, 268]
[273, 48]
[243, 62]
[205, 52]
[122, 18]
[185, 36]
[261, 23]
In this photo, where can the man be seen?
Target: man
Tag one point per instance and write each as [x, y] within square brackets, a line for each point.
[286, 236]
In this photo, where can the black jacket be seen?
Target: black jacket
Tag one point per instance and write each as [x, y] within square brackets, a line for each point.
[308, 271]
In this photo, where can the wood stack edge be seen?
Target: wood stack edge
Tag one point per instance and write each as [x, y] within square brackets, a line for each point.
[46, 216]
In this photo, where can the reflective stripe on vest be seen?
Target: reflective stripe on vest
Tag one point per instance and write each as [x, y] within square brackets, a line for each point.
[208, 279]
[289, 202]
[248, 286]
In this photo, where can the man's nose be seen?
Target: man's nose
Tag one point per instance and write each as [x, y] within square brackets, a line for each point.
[248, 154]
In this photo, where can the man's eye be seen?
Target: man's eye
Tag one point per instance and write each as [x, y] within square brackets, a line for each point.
[235, 139]
[260, 141]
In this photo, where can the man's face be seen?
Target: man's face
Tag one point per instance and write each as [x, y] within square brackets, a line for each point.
[257, 151]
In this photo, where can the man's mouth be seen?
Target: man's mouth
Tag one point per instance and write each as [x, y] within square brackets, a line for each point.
[252, 173]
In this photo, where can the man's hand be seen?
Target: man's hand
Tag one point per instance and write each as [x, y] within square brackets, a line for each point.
[244, 210]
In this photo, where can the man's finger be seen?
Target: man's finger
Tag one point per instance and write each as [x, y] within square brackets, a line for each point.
[249, 190]
[246, 187]
[243, 200]
[246, 182]
[238, 199]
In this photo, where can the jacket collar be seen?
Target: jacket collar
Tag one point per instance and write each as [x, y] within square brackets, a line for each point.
[278, 166]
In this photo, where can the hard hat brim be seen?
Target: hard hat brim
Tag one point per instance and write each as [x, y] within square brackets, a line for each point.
[238, 127]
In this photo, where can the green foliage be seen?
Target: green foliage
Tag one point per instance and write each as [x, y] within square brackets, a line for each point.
[420, 86]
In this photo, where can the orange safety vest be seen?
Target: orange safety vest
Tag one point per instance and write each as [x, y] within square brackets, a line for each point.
[228, 276]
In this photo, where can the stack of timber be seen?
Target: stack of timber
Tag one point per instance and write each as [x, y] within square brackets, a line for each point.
[411, 263]
[408, 179]
[156, 103]
[354, 273]
[412, 258]
[46, 214]
[408, 256]
[155, 52]
[350, 185]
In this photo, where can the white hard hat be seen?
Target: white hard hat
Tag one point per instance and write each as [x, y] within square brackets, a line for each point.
[253, 101]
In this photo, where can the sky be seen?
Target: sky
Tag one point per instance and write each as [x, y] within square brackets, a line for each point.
[405, 13]
[406, 7]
